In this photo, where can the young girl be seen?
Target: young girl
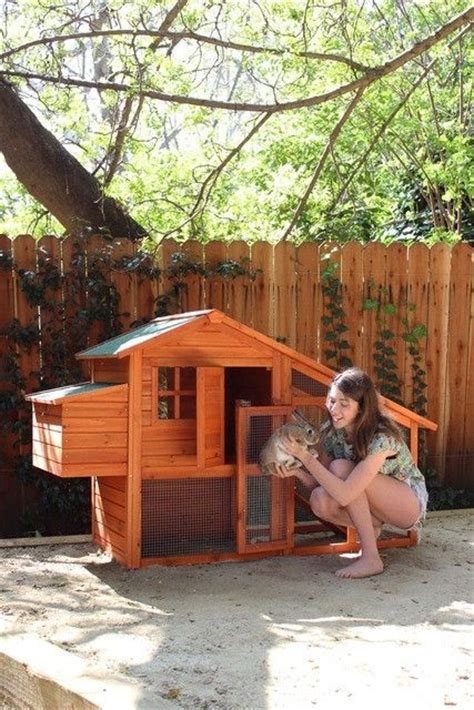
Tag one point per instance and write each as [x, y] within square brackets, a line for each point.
[365, 475]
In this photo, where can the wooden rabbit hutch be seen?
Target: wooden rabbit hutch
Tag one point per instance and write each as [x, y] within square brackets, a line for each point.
[170, 428]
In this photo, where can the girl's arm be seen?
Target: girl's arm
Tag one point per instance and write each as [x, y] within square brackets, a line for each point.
[303, 476]
[344, 492]
[324, 459]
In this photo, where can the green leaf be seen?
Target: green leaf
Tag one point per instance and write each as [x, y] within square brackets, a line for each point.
[369, 305]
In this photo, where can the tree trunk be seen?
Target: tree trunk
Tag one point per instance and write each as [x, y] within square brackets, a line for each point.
[54, 177]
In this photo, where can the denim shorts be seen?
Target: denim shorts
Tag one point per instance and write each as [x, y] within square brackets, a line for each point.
[419, 489]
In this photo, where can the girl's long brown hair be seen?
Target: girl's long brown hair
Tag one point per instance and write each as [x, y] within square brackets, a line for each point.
[356, 384]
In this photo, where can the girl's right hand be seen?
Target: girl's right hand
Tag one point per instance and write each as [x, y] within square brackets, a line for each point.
[282, 472]
[292, 447]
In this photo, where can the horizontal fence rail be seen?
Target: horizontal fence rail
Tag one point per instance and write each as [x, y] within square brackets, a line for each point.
[405, 314]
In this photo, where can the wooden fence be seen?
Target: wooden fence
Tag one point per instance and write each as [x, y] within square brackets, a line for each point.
[383, 295]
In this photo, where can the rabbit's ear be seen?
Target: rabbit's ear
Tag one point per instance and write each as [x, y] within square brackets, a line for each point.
[298, 417]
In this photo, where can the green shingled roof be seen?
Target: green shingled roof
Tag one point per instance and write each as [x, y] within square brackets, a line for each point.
[59, 393]
[138, 336]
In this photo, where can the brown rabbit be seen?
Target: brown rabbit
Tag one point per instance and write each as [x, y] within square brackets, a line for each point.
[272, 453]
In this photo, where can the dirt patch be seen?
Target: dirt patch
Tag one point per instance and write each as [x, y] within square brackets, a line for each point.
[278, 633]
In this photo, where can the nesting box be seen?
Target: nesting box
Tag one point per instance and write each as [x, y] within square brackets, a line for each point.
[170, 428]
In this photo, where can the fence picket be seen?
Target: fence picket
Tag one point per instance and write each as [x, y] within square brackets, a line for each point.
[51, 315]
[329, 258]
[239, 289]
[124, 281]
[166, 283]
[417, 310]
[147, 290]
[352, 277]
[440, 275]
[216, 296]
[285, 293]
[7, 313]
[457, 359]
[262, 289]
[396, 264]
[24, 254]
[308, 300]
[469, 413]
[74, 295]
[194, 295]
[374, 279]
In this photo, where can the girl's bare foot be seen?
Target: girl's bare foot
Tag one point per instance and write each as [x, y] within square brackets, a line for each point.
[365, 566]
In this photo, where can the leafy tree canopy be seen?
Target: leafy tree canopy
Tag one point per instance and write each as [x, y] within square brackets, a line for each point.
[248, 119]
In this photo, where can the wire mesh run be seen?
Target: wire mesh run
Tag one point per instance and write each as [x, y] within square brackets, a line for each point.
[266, 510]
[266, 503]
[188, 516]
[259, 430]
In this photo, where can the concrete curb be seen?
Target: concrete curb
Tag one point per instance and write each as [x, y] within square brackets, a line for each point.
[37, 674]
[53, 540]
[458, 512]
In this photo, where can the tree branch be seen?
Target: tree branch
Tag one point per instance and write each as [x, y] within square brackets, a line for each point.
[327, 150]
[210, 181]
[361, 83]
[170, 18]
[176, 37]
[124, 127]
[385, 125]
[54, 177]
[115, 153]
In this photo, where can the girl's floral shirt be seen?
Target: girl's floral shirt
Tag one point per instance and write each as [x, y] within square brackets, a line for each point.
[399, 465]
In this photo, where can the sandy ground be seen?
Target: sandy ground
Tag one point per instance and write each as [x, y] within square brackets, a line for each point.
[279, 633]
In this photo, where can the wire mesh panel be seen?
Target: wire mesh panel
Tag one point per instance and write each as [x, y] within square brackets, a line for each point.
[308, 385]
[188, 516]
[263, 500]
[265, 510]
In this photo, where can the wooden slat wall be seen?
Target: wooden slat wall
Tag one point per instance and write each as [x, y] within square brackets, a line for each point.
[82, 438]
[109, 506]
[109, 370]
[88, 452]
[285, 300]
